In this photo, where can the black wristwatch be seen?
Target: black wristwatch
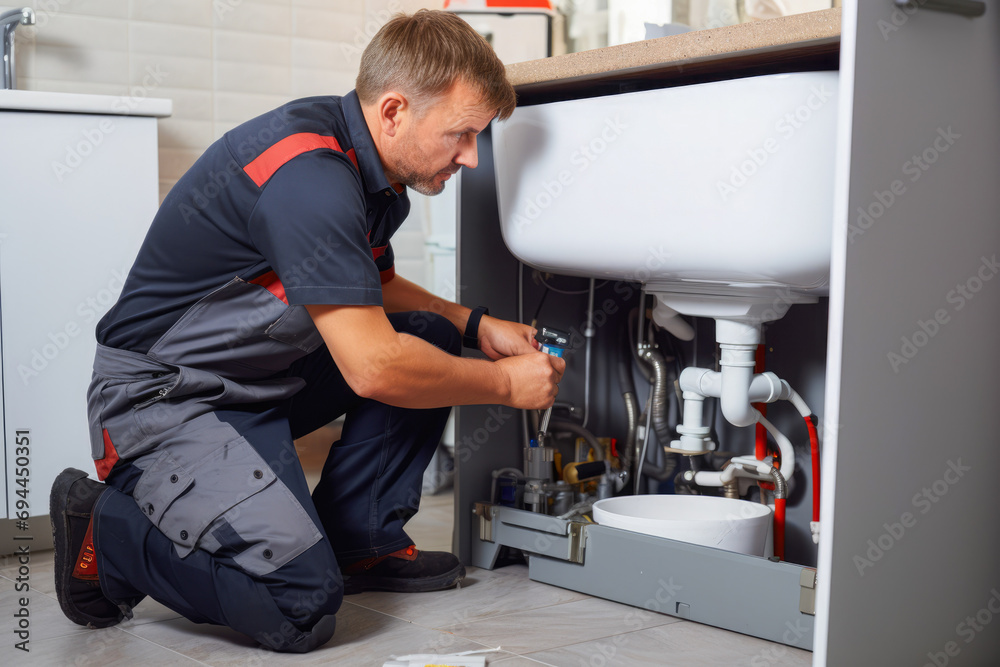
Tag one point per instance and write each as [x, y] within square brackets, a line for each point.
[471, 337]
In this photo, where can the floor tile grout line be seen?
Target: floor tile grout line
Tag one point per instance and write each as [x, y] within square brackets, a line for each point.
[597, 639]
[426, 627]
[544, 606]
[671, 621]
[484, 618]
[167, 648]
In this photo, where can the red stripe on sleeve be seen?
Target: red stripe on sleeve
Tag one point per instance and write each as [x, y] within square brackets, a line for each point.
[268, 162]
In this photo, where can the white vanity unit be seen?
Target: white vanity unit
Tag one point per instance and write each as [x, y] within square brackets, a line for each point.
[78, 181]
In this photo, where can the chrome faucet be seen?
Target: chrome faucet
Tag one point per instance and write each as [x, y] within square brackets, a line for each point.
[8, 22]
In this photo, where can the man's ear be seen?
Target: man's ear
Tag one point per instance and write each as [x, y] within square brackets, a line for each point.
[391, 108]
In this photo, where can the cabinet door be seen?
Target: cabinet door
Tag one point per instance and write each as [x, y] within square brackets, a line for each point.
[909, 564]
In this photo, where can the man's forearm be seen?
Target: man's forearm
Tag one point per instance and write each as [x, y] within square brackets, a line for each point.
[400, 295]
[403, 370]
[412, 373]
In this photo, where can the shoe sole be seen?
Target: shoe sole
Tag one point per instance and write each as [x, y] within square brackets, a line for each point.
[61, 543]
[360, 583]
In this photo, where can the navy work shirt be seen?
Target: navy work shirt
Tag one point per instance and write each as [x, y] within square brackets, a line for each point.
[299, 192]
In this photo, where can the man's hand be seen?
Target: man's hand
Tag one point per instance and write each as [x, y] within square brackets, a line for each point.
[500, 338]
[533, 379]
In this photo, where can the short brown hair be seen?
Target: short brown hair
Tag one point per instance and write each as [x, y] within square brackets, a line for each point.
[422, 55]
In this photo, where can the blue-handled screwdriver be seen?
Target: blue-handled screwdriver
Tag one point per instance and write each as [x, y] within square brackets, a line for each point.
[554, 342]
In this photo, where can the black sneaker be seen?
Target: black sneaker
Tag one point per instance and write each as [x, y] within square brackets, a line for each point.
[77, 586]
[405, 571]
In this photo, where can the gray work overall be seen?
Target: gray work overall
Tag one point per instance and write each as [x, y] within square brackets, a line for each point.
[210, 513]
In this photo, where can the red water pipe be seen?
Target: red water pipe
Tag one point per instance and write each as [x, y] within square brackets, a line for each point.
[761, 432]
[779, 528]
[814, 452]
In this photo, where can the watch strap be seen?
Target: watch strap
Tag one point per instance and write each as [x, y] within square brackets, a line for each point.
[471, 337]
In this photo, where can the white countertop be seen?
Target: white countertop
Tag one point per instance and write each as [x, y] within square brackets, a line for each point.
[35, 100]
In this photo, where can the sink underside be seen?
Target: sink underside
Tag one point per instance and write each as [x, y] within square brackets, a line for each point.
[724, 185]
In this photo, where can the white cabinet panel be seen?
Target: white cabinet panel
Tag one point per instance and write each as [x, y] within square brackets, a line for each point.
[79, 192]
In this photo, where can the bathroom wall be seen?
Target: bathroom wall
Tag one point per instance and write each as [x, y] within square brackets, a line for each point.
[221, 62]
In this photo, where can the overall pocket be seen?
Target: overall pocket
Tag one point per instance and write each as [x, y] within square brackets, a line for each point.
[228, 502]
[241, 331]
[295, 327]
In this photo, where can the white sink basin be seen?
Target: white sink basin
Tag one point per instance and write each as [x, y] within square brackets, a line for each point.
[723, 523]
[725, 185]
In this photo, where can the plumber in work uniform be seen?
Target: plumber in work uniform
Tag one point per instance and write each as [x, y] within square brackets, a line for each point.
[262, 305]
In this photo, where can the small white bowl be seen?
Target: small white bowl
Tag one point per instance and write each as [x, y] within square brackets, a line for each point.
[723, 523]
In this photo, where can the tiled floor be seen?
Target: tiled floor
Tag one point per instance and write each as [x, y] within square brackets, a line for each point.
[534, 624]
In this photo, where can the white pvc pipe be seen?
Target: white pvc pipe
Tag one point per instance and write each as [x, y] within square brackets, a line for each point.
[694, 404]
[797, 401]
[670, 319]
[715, 477]
[764, 387]
[784, 446]
[737, 373]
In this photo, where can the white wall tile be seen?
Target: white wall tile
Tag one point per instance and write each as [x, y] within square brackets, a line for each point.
[309, 82]
[67, 30]
[325, 25]
[325, 54]
[81, 65]
[170, 40]
[188, 103]
[248, 47]
[185, 12]
[175, 71]
[346, 6]
[194, 135]
[252, 17]
[45, 9]
[263, 79]
[231, 109]
[24, 57]
[69, 86]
